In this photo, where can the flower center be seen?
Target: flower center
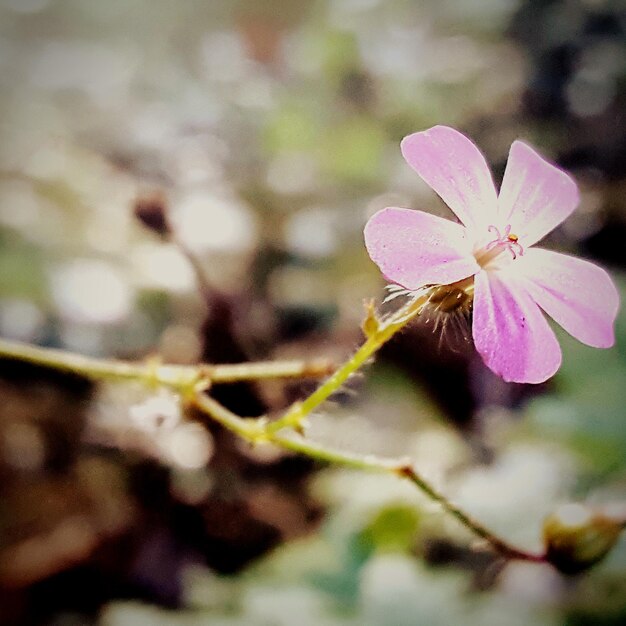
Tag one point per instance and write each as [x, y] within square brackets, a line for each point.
[503, 242]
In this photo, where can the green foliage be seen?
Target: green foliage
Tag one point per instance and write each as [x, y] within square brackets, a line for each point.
[292, 127]
[353, 149]
[22, 274]
[393, 528]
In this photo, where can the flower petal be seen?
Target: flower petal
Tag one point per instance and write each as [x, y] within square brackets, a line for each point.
[510, 332]
[579, 295]
[454, 167]
[536, 196]
[413, 248]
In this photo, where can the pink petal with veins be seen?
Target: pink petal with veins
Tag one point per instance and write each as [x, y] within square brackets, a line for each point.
[536, 196]
[454, 167]
[575, 293]
[510, 332]
[413, 248]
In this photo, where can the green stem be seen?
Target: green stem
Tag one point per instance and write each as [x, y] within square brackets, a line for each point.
[192, 380]
[230, 373]
[504, 548]
[251, 429]
[258, 431]
[378, 333]
[74, 363]
[179, 377]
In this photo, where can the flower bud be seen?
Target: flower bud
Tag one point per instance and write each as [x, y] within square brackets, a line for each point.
[577, 537]
[371, 323]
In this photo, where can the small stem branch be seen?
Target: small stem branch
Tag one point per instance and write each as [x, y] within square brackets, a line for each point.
[258, 431]
[366, 462]
[153, 372]
[504, 548]
[73, 363]
[228, 373]
[251, 429]
[378, 333]
[191, 381]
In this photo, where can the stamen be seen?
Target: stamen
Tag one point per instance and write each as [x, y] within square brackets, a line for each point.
[507, 240]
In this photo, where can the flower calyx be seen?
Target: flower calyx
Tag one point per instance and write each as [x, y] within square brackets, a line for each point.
[577, 537]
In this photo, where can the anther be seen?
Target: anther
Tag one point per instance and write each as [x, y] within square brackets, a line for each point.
[507, 240]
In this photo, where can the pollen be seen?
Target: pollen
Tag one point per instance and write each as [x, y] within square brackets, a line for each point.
[512, 238]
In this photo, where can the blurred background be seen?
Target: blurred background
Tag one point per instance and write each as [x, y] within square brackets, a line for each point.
[191, 179]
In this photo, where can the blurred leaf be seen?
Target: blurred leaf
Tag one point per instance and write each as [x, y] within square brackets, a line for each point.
[340, 53]
[292, 128]
[156, 305]
[21, 269]
[353, 150]
[392, 529]
[343, 583]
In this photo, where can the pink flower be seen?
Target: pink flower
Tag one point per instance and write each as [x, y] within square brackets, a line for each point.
[512, 281]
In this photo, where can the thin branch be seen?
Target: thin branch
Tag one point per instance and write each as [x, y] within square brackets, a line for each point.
[251, 429]
[378, 333]
[258, 431]
[192, 382]
[503, 547]
[154, 372]
[75, 363]
[227, 373]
